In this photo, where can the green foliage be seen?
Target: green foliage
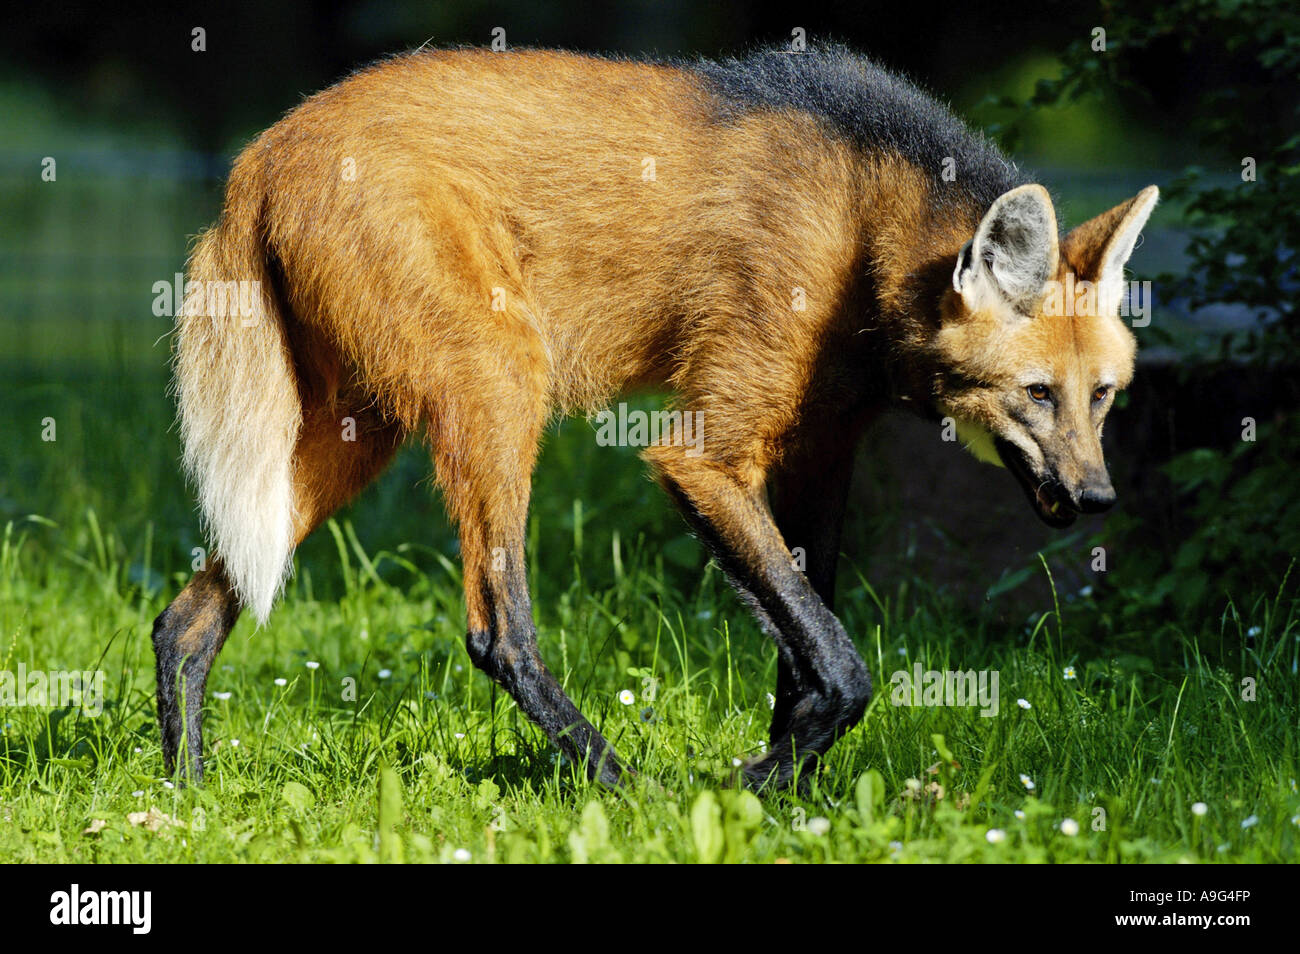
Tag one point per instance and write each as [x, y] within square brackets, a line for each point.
[1239, 521]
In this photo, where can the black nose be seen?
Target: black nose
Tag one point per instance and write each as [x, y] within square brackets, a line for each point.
[1097, 498]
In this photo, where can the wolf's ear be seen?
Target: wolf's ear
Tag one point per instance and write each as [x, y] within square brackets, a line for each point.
[1013, 254]
[1098, 249]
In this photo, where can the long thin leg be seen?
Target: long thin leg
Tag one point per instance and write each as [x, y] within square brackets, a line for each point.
[808, 494]
[487, 484]
[189, 633]
[831, 685]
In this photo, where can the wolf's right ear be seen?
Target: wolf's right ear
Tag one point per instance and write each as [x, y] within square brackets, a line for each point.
[1013, 254]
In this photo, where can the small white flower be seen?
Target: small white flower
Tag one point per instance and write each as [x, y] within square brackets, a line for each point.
[1254, 631]
[1086, 592]
[222, 696]
[704, 614]
[460, 735]
[902, 650]
[385, 673]
[627, 697]
[1250, 821]
[461, 854]
[459, 667]
[771, 704]
[895, 849]
[234, 743]
[1199, 808]
[312, 664]
[1023, 703]
[995, 836]
[1069, 827]
[1020, 814]
[736, 762]
[138, 750]
[819, 825]
[282, 682]
[138, 793]
[168, 785]
[1026, 781]
[1295, 820]
[1069, 673]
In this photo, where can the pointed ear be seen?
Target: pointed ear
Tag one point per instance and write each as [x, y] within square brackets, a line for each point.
[1013, 254]
[1098, 249]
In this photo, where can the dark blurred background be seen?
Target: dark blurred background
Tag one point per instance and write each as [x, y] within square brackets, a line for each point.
[142, 127]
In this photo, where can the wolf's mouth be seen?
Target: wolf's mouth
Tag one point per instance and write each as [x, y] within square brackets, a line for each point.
[1047, 497]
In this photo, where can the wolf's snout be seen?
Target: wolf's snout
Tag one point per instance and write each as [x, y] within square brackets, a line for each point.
[1096, 496]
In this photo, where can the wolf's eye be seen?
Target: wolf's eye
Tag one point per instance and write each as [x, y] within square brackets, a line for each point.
[1100, 393]
[1040, 393]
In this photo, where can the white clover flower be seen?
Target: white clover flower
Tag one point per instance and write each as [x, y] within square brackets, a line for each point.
[1199, 809]
[1023, 703]
[627, 697]
[1069, 827]
[995, 836]
[312, 664]
[1027, 782]
[1069, 673]
[819, 825]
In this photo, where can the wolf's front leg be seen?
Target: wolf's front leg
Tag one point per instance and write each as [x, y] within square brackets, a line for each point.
[829, 686]
[808, 493]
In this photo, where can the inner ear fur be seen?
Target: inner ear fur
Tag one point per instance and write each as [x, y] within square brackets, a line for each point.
[1014, 252]
[1098, 249]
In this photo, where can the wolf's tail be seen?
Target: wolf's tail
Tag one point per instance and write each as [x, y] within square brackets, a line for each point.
[238, 399]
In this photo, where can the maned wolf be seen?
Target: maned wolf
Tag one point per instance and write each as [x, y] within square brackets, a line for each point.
[468, 243]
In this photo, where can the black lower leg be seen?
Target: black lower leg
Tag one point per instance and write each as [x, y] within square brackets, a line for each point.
[825, 685]
[187, 636]
[505, 648]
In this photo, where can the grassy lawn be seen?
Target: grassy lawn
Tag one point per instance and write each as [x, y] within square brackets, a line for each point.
[354, 727]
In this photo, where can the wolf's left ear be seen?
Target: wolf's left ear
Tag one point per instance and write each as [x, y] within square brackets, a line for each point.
[1098, 249]
[1013, 254]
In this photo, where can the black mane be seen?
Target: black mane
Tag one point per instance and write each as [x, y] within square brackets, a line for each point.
[860, 100]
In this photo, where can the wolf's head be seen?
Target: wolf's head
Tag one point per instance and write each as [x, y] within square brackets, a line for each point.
[1031, 348]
